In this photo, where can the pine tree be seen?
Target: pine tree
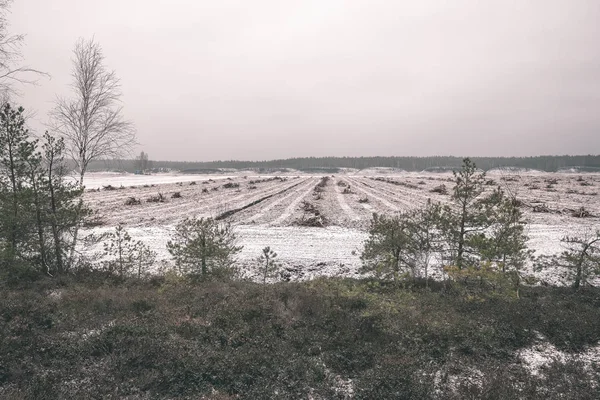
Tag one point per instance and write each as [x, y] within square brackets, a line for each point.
[387, 250]
[64, 208]
[267, 264]
[119, 248]
[126, 256]
[426, 241]
[404, 244]
[582, 257]
[466, 218]
[16, 153]
[506, 237]
[37, 203]
[505, 242]
[203, 247]
[144, 258]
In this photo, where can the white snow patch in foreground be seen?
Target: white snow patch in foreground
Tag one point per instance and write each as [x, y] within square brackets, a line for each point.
[542, 354]
[303, 244]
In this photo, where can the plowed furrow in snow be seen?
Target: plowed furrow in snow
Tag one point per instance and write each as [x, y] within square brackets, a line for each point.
[373, 195]
[118, 195]
[341, 199]
[234, 211]
[404, 199]
[151, 208]
[309, 183]
[223, 205]
[117, 206]
[115, 202]
[363, 211]
[289, 210]
[410, 195]
[161, 212]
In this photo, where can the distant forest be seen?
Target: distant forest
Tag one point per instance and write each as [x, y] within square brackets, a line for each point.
[589, 163]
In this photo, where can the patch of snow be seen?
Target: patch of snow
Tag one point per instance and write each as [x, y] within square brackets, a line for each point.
[543, 354]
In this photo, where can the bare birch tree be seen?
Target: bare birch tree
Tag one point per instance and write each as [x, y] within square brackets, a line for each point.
[92, 121]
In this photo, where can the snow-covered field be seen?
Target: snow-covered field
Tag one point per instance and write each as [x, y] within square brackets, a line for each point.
[334, 249]
[97, 180]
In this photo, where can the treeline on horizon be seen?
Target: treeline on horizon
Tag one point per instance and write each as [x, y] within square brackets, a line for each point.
[584, 163]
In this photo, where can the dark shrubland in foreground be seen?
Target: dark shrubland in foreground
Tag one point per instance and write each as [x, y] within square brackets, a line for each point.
[328, 338]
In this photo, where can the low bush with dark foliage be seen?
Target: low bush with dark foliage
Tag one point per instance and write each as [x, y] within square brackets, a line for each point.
[441, 189]
[159, 198]
[132, 201]
[327, 338]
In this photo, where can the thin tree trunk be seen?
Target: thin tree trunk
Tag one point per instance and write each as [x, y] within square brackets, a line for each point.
[38, 220]
[81, 175]
[265, 276]
[266, 270]
[76, 231]
[426, 271]
[54, 222]
[203, 244]
[461, 238]
[120, 255]
[579, 271]
[396, 265]
[77, 214]
[15, 201]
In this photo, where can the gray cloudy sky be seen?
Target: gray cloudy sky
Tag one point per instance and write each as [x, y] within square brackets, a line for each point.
[262, 79]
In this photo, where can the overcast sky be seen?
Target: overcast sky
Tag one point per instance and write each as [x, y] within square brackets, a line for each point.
[263, 79]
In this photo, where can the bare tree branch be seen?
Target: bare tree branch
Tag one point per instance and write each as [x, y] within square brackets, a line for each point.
[12, 72]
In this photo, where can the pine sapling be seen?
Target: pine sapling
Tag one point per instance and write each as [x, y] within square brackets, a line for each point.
[582, 258]
[268, 264]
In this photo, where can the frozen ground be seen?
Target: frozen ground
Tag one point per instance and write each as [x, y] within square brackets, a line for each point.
[333, 250]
